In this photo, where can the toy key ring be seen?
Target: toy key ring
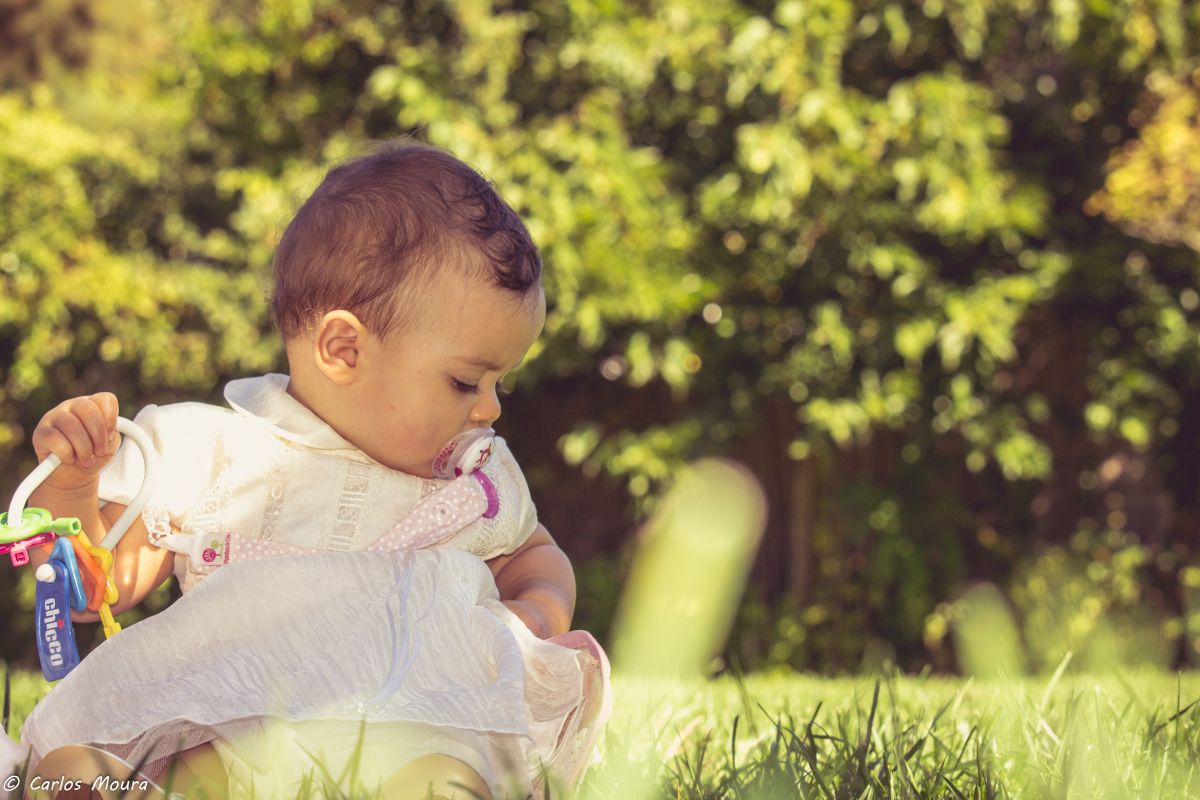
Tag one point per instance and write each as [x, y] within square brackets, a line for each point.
[78, 574]
[16, 509]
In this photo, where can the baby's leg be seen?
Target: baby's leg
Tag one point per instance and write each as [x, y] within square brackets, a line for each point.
[437, 776]
[198, 773]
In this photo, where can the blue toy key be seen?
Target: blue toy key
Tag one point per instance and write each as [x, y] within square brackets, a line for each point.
[65, 553]
[57, 650]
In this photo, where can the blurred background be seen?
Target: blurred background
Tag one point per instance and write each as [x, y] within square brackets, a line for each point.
[929, 268]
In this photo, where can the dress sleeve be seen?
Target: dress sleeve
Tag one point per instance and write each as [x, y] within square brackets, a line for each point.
[523, 512]
[175, 484]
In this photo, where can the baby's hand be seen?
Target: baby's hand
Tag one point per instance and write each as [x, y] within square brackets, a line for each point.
[82, 432]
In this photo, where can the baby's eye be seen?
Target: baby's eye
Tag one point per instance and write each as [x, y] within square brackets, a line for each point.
[465, 388]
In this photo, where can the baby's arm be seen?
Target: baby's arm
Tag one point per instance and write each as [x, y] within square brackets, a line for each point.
[82, 433]
[138, 566]
[537, 583]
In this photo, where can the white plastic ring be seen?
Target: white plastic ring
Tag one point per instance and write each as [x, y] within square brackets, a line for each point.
[16, 509]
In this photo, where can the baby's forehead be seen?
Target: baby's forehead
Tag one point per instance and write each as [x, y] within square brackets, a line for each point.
[468, 317]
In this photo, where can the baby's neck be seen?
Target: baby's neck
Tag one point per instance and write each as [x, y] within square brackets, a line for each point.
[307, 391]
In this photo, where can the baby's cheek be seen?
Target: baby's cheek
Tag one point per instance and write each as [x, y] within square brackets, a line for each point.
[428, 442]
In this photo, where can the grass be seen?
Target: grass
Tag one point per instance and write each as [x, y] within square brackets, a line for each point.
[1126, 735]
[1122, 736]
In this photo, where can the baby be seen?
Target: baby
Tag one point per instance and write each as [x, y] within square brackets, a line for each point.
[405, 291]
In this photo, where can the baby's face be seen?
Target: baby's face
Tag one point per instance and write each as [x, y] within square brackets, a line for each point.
[441, 377]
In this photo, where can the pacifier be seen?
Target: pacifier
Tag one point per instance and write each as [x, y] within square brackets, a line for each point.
[464, 453]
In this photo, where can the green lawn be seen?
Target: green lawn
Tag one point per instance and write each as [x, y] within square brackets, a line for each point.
[1120, 736]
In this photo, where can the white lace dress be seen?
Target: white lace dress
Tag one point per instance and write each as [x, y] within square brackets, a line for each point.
[313, 658]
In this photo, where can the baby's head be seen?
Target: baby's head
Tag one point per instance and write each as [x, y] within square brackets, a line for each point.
[405, 289]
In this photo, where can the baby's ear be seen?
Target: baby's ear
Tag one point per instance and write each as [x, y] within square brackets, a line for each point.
[338, 346]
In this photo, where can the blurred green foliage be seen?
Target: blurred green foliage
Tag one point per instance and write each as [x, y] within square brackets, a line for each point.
[902, 232]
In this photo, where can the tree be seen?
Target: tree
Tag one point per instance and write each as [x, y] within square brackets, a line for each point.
[848, 240]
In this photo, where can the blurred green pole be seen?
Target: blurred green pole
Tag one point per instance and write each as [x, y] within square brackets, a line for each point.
[688, 576]
[986, 636]
[690, 571]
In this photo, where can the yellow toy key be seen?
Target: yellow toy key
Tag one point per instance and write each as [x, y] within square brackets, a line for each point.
[104, 560]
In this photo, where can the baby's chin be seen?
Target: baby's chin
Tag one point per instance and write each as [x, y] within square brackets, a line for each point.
[425, 471]
[416, 469]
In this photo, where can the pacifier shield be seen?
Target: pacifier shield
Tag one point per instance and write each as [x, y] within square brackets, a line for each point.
[464, 453]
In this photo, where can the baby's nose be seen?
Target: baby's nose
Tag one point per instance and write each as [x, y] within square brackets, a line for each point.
[487, 410]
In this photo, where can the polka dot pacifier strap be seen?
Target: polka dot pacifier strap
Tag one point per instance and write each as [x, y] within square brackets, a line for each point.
[209, 551]
[443, 514]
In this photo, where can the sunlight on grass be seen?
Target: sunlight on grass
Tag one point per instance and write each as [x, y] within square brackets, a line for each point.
[786, 736]
[1084, 745]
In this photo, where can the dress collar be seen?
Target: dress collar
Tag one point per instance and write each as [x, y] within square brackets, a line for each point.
[266, 399]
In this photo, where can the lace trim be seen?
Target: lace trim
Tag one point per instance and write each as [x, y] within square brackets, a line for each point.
[207, 518]
[356, 486]
[158, 524]
[277, 482]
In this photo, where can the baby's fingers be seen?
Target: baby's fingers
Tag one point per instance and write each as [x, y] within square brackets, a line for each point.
[98, 412]
[47, 439]
[73, 429]
[110, 408]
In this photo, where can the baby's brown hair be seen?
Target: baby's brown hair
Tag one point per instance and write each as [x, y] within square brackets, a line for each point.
[380, 226]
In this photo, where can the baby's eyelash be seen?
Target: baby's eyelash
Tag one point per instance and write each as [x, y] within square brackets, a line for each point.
[465, 388]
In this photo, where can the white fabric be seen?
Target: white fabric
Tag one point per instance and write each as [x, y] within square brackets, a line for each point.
[12, 756]
[417, 637]
[270, 468]
[415, 643]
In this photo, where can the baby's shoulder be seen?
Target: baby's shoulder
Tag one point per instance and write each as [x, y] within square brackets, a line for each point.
[184, 417]
[189, 427]
[503, 466]
[503, 454]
